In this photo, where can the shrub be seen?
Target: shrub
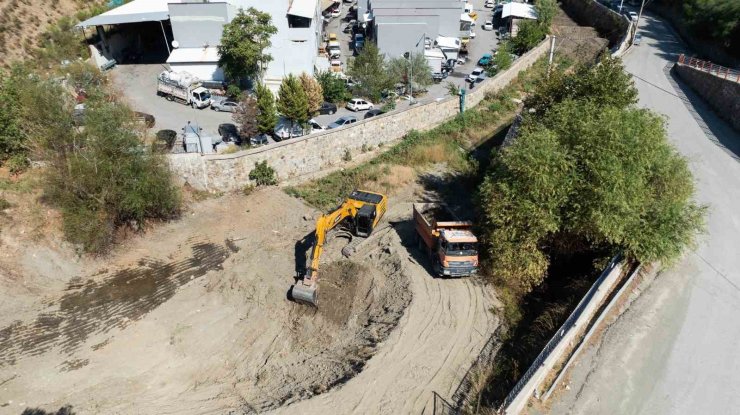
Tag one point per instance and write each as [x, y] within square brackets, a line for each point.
[4, 204]
[101, 177]
[233, 91]
[263, 175]
[347, 155]
[167, 137]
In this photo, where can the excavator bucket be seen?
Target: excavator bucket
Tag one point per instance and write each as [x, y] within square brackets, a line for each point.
[306, 294]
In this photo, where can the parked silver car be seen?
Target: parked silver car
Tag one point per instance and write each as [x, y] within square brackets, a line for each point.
[225, 106]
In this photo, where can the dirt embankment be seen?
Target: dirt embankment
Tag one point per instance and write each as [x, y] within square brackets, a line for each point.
[193, 317]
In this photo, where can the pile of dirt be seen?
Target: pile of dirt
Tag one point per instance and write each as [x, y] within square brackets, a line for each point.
[360, 301]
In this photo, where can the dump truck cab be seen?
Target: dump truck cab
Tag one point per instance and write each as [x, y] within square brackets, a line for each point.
[457, 253]
[449, 241]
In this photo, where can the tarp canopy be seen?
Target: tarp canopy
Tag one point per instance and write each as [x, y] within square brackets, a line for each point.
[136, 11]
[303, 8]
[182, 55]
[519, 10]
[465, 18]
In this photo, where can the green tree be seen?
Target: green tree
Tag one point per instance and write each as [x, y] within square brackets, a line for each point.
[101, 177]
[528, 35]
[546, 11]
[415, 66]
[334, 88]
[370, 71]
[292, 101]
[603, 84]
[314, 93]
[266, 114]
[243, 43]
[589, 172]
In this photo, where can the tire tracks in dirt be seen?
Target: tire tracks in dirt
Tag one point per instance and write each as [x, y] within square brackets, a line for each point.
[442, 330]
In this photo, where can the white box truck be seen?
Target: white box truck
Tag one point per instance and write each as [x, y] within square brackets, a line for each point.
[184, 88]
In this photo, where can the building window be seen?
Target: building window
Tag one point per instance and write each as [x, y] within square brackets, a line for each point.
[298, 22]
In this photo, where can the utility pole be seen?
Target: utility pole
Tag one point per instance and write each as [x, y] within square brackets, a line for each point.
[621, 3]
[552, 53]
[639, 16]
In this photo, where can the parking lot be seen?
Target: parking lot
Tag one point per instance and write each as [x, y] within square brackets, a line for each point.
[484, 42]
[138, 83]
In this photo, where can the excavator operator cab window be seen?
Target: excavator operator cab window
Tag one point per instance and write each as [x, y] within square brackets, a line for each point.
[365, 220]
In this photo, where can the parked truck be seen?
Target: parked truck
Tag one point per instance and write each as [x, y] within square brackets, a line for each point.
[449, 242]
[183, 87]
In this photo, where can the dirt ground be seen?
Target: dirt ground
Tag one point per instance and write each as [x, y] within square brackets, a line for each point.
[193, 318]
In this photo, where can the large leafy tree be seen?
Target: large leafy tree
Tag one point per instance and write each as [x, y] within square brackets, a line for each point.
[243, 44]
[334, 88]
[588, 170]
[314, 93]
[412, 69]
[604, 84]
[292, 101]
[266, 114]
[370, 71]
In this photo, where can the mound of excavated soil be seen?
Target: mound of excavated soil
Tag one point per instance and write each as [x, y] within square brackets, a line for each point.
[360, 302]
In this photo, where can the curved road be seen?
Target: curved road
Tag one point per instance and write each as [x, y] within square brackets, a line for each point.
[675, 351]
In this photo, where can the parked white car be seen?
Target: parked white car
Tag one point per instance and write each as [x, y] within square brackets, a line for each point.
[357, 104]
[488, 25]
[633, 16]
[490, 3]
[335, 13]
[477, 75]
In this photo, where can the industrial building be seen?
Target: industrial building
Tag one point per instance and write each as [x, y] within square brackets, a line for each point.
[186, 34]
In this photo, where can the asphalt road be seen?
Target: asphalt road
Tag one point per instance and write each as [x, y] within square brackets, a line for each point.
[675, 351]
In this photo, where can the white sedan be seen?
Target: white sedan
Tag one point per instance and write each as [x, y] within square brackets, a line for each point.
[488, 25]
[358, 104]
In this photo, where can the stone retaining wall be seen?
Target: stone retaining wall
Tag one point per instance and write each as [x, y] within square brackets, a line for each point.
[316, 152]
[723, 95]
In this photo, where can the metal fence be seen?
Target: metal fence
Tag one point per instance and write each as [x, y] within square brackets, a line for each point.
[709, 67]
[555, 340]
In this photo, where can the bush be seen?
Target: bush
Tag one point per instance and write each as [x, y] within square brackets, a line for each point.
[586, 173]
[167, 137]
[347, 155]
[263, 175]
[233, 91]
[4, 204]
[101, 177]
[334, 88]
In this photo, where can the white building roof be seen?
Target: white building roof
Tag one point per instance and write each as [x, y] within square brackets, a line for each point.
[192, 55]
[464, 17]
[519, 10]
[134, 12]
[448, 42]
[434, 53]
[303, 8]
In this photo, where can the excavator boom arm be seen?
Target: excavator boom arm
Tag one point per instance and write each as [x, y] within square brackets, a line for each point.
[323, 225]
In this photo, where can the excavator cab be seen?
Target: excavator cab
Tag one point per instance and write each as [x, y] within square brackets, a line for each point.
[365, 220]
[363, 210]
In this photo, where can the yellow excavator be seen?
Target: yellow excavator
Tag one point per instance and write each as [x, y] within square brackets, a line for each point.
[362, 211]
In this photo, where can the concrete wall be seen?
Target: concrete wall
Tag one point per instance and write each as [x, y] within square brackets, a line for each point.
[723, 95]
[313, 153]
[610, 24]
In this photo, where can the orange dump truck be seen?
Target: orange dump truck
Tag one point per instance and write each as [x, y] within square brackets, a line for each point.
[450, 243]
